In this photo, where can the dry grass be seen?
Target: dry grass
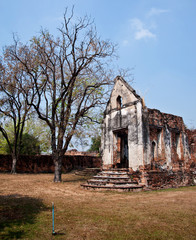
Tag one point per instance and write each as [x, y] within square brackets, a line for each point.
[25, 211]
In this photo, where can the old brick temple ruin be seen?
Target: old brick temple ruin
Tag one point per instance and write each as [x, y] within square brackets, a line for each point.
[143, 148]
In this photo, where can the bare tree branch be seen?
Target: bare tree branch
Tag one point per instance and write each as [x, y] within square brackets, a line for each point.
[67, 78]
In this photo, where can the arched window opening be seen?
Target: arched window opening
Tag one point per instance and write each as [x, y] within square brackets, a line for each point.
[192, 146]
[119, 102]
[153, 150]
[159, 143]
[178, 149]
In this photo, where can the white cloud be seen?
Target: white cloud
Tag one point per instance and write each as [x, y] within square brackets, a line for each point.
[144, 33]
[157, 11]
[141, 31]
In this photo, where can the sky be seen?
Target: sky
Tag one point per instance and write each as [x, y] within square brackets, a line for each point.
[155, 38]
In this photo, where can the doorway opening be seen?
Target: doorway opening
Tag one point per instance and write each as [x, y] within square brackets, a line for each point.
[121, 153]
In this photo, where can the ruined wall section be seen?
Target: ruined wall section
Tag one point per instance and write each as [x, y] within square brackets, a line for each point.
[44, 163]
[168, 138]
[146, 137]
[191, 136]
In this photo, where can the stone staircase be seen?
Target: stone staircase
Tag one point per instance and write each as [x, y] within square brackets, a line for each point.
[113, 179]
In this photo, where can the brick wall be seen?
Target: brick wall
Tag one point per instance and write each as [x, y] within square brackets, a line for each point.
[44, 163]
[156, 179]
[159, 119]
[169, 179]
[192, 143]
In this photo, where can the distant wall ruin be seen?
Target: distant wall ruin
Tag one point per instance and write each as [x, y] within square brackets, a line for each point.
[44, 163]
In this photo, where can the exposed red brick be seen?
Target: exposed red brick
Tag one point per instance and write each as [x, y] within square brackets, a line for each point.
[44, 163]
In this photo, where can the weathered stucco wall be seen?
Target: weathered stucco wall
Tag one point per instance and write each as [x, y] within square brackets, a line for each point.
[127, 116]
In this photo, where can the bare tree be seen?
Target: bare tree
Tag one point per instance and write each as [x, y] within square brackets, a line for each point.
[13, 107]
[68, 77]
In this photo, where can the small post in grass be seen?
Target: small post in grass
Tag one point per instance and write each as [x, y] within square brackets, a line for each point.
[53, 232]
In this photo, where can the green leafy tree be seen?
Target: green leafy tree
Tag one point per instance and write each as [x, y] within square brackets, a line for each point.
[95, 144]
[40, 131]
[30, 145]
[3, 144]
[35, 132]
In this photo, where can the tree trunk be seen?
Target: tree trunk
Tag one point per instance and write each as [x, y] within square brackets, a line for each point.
[14, 161]
[58, 168]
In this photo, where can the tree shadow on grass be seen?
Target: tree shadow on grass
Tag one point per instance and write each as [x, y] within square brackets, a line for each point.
[17, 212]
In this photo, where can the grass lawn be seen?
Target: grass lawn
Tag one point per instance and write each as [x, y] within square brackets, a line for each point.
[26, 211]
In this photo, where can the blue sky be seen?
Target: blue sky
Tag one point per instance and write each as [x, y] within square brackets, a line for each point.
[157, 38]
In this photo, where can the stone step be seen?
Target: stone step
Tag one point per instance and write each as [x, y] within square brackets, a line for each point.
[124, 188]
[116, 170]
[104, 182]
[112, 177]
[113, 173]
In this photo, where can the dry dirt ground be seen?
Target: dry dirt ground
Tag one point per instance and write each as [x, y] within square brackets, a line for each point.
[26, 200]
